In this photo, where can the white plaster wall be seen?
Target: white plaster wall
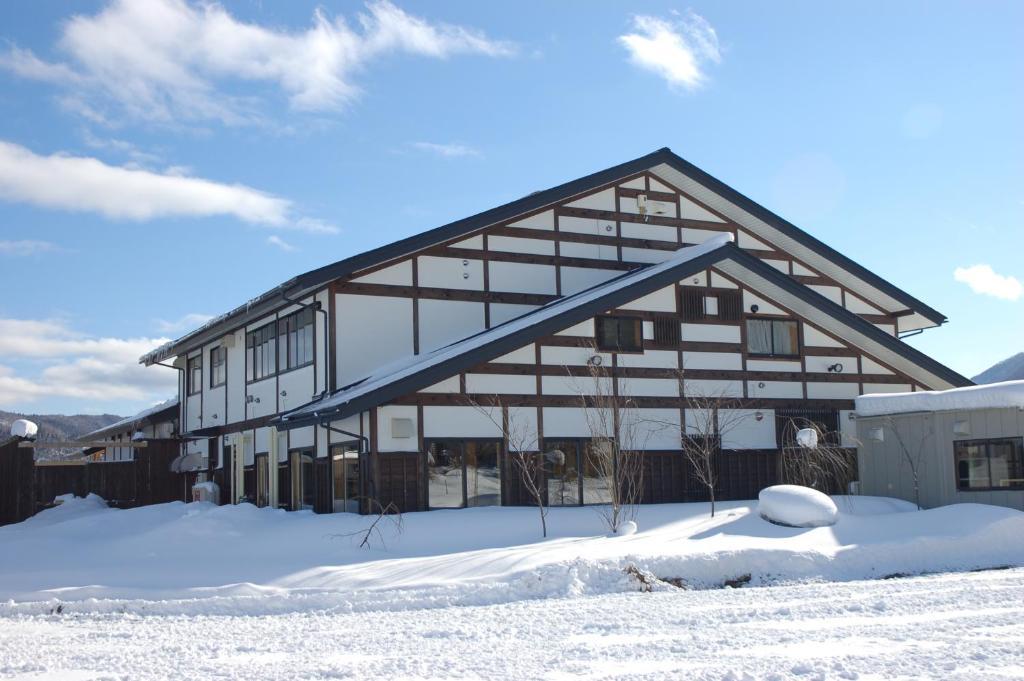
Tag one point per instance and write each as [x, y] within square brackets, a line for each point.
[448, 385]
[780, 265]
[193, 411]
[386, 441]
[833, 293]
[692, 235]
[445, 321]
[213, 406]
[584, 329]
[712, 360]
[815, 338]
[689, 209]
[236, 379]
[855, 304]
[699, 387]
[458, 273]
[633, 230]
[459, 422]
[501, 384]
[301, 437]
[635, 183]
[474, 242]
[742, 430]
[524, 355]
[522, 277]
[763, 306]
[746, 240]
[511, 244]
[644, 255]
[832, 391]
[662, 300]
[772, 365]
[399, 274]
[716, 333]
[870, 366]
[718, 281]
[575, 385]
[651, 429]
[360, 352]
[649, 387]
[602, 200]
[775, 389]
[560, 422]
[575, 279]
[870, 388]
[655, 359]
[819, 364]
[262, 440]
[522, 427]
[560, 356]
[503, 312]
[298, 386]
[802, 271]
[264, 392]
[543, 220]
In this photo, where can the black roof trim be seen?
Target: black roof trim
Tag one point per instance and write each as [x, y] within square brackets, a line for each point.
[526, 204]
[797, 234]
[614, 298]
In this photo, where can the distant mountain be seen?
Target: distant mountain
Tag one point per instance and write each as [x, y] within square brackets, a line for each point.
[57, 427]
[1011, 369]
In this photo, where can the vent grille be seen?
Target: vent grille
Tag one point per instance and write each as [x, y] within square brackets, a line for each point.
[666, 331]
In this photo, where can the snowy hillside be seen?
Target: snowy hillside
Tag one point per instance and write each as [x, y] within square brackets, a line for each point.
[1010, 369]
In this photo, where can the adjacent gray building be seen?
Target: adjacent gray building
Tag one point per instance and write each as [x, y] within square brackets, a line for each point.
[966, 445]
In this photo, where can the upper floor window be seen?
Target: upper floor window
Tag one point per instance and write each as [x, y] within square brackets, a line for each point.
[700, 304]
[194, 374]
[261, 352]
[989, 464]
[295, 340]
[218, 366]
[773, 337]
[619, 334]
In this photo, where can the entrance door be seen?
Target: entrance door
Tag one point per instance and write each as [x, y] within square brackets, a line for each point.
[303, 481]
[345, 470]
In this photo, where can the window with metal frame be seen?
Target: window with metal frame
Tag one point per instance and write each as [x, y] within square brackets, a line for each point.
[260, 352]
[194, 374]
[773, 337]
[992, 464]
[218, 366]
[619, 334]
[295, 339]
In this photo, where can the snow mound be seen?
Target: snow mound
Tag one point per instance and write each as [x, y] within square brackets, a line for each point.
[626, 529]
[796, 506]
[1005, 395]
[24, 428]
[807, 438]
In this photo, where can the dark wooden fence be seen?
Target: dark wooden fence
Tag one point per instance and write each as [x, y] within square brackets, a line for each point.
[27, 486]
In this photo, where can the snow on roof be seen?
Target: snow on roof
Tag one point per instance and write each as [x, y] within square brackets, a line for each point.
[415, 364]
[130, 422]
[1004, 395]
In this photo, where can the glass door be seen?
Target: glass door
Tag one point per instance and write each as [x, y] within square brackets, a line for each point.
[345, 471]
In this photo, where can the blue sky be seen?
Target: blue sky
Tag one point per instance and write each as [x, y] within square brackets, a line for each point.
[161, 161]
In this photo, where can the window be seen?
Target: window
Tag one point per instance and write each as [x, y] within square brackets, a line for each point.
[774, 337]
[620, 334]
[989, 464]
[218, 366]
[578, 471]
[260, 354]
[295, 343]
[700, 304]
[463, 473]
[195, 374]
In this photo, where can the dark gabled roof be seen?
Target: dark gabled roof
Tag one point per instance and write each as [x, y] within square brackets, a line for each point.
[420, 371]
[165, 411]
[313, 279]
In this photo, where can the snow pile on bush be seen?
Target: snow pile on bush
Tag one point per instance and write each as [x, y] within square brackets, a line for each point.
[24, 428]
[807, 438]
[796, 506]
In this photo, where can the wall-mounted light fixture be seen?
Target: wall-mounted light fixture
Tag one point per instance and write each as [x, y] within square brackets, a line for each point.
[759, 416]
[836, 368]
[595, 360]
[754, 308]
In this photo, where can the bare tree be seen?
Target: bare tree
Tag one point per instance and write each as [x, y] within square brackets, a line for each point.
[521, 450]
[710, 417]
[617, 439]
[385, 514]
[913, 457]
[822, 463]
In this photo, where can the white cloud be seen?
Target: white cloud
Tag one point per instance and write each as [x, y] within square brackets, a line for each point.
[60, 362]
[171, 60]
[26, 247]
[84, 184]
[984, 280]
[446, 150]
[676, 50]
[275, 240]
[186, 322]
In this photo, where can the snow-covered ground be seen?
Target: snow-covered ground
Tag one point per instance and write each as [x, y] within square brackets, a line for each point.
[198, 591]
[946, 627]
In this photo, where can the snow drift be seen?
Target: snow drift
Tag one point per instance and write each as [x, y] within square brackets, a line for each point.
[24, 428]
[796, 506]
[200, 558]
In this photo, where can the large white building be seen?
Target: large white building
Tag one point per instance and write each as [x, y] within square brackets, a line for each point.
[357, 380]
